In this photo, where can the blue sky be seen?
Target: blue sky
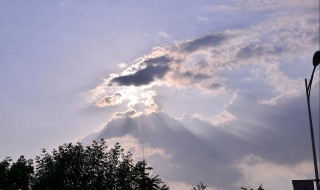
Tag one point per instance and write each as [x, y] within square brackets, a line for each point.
[212, 90]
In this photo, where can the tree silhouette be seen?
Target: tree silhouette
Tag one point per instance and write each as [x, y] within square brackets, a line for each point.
[4, 173]
[199, 186]
[74, 167]
[259, 188]
[17, 175]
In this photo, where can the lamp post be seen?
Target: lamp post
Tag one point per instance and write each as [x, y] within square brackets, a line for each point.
[316, 61]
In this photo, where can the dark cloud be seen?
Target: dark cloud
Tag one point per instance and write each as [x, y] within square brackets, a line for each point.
[248, 52]
[196, 76]
[149, 70]
[201, 76]
[142, 77]
[210, 40]
[161, 60]
[215, 85]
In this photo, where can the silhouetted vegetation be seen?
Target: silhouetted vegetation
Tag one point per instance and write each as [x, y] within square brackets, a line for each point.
[75, 167]
[17, 175]
[259, 188]
[199, 186]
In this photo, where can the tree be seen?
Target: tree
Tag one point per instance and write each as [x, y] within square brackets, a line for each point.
[199, 186]
[4, 173]
[17, 175]
[259, 188]
[21, 173]
[144, 181]
[73, 166]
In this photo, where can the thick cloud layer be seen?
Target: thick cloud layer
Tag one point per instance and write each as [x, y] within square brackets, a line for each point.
[277, 133]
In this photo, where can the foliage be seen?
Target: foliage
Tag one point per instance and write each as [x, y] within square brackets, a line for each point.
[17, 175]
[259, 188]
[4, 172]
[199, 186]
[75, 167]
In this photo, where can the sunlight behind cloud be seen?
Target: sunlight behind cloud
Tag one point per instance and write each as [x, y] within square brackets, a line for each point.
[231, 71]
[137, 100]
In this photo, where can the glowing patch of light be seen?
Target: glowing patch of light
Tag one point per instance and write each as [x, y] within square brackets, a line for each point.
[132, 94]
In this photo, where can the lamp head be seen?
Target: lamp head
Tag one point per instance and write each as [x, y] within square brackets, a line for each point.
[316, 58]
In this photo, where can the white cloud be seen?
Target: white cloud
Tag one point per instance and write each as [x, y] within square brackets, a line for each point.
[267, 47]
[130, 112]
[164, 34]
[132, 144]
[257, 171]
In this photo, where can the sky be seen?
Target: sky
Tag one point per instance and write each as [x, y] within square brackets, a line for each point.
[209, 91]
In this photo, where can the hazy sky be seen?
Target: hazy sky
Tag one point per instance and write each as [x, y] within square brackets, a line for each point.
[212, 90]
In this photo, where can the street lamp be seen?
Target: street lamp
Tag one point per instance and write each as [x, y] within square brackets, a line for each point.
[315, 62]
[316, 58]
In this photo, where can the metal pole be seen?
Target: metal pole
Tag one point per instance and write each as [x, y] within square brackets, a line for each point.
[308, 89]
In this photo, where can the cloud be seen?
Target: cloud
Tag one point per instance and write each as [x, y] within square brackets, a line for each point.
[149, 102]
[130, 143]
[128, 113]
[160, 131]
[277, 135]
[265, 6]
[142, 77]
[251, 133]
[280, 132]
[166, 64]
[267, 48]
[113, 100]
[253, 51]
[163, 35]
[146, 70]
[255, 169]
[203, 42]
